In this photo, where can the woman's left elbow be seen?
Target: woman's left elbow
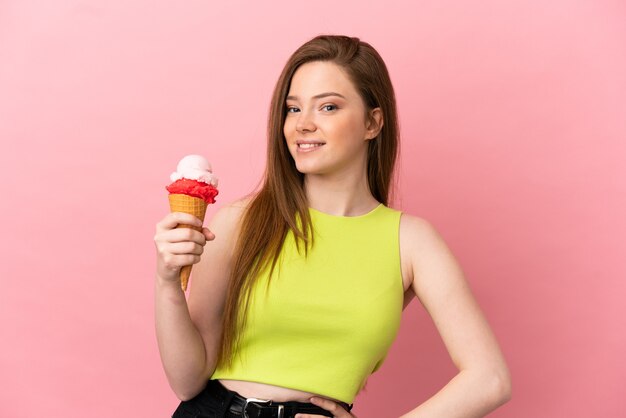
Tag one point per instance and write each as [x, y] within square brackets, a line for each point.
[503, 388]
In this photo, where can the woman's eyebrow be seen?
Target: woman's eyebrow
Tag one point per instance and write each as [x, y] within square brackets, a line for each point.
[318, 96]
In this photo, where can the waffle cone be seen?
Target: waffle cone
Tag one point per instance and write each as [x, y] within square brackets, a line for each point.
[194, 206]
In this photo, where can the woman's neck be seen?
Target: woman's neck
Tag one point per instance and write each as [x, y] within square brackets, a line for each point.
[344, 195]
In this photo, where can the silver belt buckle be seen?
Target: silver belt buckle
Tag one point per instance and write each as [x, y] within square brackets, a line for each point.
[281, 408]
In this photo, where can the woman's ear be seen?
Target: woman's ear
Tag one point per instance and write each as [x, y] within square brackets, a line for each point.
[375, 123]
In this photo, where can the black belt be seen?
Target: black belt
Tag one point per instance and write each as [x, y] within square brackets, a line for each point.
[260, 408]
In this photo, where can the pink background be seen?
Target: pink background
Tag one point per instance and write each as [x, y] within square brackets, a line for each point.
[513, 118]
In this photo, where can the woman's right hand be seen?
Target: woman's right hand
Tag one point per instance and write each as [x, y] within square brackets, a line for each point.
[178, 247]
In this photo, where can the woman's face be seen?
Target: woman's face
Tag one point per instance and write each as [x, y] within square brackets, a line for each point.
[325, 124]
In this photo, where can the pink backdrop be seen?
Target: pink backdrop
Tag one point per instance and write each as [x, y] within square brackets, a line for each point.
[513, 124]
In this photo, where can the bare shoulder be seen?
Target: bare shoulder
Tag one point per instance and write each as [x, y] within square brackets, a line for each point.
[411, 228]
[229, 215]
[419, 233]
[414, 226]
[426, 252]
[225, 224]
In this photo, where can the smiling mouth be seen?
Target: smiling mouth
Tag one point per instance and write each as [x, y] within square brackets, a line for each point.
[309, 146]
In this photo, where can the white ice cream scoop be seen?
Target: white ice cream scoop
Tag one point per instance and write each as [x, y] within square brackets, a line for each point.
[194, 167]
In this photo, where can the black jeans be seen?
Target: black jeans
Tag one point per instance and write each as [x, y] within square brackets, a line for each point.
[212, 402]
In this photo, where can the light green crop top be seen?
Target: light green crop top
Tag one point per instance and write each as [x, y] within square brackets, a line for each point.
[328, 320]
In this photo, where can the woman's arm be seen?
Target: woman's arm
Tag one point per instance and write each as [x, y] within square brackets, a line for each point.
[188, 332]
[483, 382]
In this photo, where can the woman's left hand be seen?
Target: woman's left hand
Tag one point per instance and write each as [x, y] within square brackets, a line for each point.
[337, 410]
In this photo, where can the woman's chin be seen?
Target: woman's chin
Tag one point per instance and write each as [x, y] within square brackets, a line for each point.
[306, 168]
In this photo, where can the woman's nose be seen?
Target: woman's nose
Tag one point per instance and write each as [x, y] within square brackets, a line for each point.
[305, 122]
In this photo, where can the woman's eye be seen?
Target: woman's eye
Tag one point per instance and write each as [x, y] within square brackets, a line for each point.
[292, 109]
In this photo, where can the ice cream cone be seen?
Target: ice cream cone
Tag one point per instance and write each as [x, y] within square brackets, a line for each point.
[194, 206]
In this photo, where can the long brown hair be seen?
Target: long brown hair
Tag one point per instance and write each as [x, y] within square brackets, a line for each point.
[274, 208]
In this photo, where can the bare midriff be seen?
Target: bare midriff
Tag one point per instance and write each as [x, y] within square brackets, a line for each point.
[265, 391]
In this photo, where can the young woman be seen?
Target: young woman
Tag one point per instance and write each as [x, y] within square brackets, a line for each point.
[299, 293]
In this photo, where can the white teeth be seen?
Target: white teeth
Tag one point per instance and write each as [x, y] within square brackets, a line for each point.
[309, 145]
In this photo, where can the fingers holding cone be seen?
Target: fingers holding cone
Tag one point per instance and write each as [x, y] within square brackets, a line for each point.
[193, 206]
